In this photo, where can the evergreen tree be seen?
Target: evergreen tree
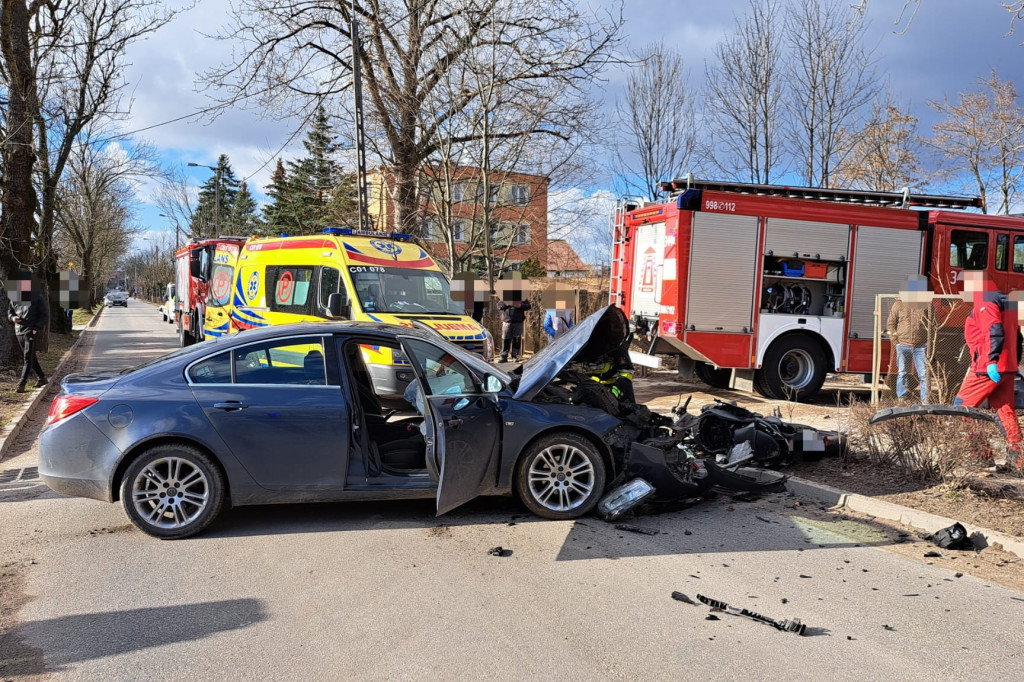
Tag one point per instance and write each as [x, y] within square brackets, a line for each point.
[222, 185]
[278, 193]
[244, 218]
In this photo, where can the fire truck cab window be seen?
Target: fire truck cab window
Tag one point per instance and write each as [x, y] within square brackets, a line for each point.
[1002, 251]
[968, 250]
[1018, 254]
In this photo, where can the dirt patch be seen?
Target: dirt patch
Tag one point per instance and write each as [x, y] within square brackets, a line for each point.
[441, 531]
[11, 402]
[990, 564]
[17, 659]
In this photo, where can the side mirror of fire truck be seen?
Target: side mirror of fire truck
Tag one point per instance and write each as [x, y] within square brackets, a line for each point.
[195, 266]
[336, 306]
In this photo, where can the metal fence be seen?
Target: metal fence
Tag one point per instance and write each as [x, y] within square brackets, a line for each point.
[946, 359]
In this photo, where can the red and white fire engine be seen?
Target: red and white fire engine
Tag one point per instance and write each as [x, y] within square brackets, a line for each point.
[768, 288]
[193, 265]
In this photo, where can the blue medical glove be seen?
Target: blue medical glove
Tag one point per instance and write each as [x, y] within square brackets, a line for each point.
[993, 372]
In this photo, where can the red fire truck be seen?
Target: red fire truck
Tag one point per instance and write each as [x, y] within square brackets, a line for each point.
[768, 288]
[193, 265]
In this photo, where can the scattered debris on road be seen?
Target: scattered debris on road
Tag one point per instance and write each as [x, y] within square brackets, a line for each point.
[637, 529]
[788, 625]
[679, 596]
[953, 537]
[499, 551]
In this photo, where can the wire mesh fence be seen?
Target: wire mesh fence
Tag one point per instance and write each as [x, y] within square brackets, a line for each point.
[938, 352]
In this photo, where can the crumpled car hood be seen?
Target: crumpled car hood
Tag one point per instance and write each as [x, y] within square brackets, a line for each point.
[588, 341]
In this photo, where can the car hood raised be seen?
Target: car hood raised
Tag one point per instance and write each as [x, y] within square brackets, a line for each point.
[588, 341]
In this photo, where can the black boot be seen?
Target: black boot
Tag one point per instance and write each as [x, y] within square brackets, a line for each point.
[42, 382]
[20, 388]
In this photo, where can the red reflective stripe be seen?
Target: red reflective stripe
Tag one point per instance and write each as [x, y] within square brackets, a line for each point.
[391, 262]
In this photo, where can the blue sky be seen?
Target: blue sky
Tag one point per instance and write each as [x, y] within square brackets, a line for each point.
[949, 45]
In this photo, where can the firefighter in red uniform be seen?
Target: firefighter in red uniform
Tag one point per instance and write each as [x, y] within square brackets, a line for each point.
[991, 332]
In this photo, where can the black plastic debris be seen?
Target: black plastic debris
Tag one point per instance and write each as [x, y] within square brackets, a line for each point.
[712, 616]
[746, 496]
[788, 625]
[933, 554]
[679, 596]
[637, 529]
[499, 551]
[954, 537]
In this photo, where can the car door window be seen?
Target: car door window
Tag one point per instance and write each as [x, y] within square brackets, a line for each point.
[283, 362]
[1018, 254]
[215, 370]
[1002, 251]
[444, 374]
[331, 283]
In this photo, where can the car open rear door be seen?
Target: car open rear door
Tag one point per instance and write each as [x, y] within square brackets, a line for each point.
[467, 424]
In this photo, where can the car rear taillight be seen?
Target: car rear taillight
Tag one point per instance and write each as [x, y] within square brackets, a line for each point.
[63, 406]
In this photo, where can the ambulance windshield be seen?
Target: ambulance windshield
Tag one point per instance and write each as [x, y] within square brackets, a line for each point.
[402, 290]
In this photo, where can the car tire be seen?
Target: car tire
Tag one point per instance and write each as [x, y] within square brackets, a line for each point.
[793, 368]
[184, 338]
[569, 456]
[715, 378]
[155, 501]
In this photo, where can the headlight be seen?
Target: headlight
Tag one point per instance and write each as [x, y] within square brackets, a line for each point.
[488, 346]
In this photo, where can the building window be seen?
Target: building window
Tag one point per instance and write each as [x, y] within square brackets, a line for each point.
[458, 192]
[427, 229]
[519, 194]
[521, 235]
[459, 230]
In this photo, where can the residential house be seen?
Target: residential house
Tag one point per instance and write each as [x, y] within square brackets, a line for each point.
[563, 261]
[453, 207]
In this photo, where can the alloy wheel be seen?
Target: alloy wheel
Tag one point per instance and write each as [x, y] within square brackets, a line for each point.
[561, 477]
[170, 492]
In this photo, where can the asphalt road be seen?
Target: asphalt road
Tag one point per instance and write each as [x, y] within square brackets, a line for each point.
[376, 591]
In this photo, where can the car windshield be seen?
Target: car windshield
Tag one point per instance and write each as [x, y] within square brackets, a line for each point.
[403, 290]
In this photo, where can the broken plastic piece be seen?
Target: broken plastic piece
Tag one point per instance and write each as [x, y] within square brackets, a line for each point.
[788, 625]
[637, 529]
[679, 596]
[953, 537]
[620, 500]
[499, 551]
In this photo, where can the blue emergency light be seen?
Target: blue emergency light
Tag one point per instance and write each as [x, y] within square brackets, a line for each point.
[284, 234]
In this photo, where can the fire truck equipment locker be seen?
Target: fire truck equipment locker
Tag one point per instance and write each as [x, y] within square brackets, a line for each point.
[884, 259]
[649, 256]
[787, 238]
[723, 269]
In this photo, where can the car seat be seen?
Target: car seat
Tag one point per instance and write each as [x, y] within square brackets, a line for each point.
[313, 364]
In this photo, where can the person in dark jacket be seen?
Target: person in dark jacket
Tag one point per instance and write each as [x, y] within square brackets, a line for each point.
[512, 317]
[991, 333]
[29, 313]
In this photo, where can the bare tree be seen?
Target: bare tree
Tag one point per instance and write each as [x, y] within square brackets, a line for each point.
[296, 54]
[980, 140]
[177, 199]
[94, 216]
[660, 136]
[829, 80]
[884, 154]
[744, 95]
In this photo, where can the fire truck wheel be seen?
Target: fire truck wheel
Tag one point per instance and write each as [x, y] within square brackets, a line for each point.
[184, 338]
[715, 378]
[759, 386]
[794, 368]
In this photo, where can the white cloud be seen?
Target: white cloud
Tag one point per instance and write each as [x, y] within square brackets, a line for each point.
[582, 219]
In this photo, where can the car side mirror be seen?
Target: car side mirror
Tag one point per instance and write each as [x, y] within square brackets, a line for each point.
[195, 268]
[493, 384]
[336, 305]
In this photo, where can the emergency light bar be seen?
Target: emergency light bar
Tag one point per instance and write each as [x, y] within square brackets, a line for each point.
[349, 232]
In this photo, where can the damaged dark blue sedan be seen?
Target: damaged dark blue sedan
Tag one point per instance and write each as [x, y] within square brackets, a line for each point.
[290, 414]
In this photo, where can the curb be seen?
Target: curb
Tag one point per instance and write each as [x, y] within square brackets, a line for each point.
[895, 512]
[10, 432]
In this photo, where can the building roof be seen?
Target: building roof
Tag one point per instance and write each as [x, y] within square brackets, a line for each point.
[562, 258]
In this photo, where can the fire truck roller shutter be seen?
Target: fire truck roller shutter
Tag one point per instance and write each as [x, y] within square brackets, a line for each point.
[824, 241]
[723, 266]
[885, 258]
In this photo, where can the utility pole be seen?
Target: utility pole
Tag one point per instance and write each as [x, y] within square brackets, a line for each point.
[357, 92]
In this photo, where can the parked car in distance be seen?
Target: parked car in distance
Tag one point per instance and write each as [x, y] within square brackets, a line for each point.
[290, 414]
[117, 298]
[167, 307]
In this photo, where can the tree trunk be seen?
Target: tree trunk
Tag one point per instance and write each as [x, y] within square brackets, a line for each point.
[18, 203]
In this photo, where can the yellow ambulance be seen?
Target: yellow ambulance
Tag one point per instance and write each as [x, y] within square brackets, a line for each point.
[355, 275]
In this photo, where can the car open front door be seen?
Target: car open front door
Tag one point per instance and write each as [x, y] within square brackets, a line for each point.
[467, 424]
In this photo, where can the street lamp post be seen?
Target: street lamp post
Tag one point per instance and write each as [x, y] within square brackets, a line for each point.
[177, 230]
[216, 194]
